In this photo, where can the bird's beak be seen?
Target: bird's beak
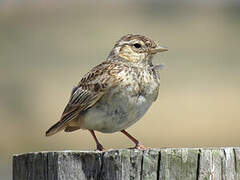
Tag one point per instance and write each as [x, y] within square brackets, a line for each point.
[158, 49]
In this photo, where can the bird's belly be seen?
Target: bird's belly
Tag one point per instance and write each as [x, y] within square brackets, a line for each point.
[115, 114]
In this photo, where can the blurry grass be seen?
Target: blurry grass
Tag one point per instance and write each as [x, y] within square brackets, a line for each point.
[46, 48]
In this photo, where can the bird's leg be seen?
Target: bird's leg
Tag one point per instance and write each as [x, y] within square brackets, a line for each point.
[99, 146]
[138, 144]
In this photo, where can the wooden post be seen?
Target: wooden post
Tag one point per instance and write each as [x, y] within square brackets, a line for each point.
[124, 164]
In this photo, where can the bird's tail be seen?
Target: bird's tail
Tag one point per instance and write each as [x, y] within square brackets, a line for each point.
[55, 128]
[68, 116]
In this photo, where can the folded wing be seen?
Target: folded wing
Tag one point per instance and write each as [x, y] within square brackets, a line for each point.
[90, 89]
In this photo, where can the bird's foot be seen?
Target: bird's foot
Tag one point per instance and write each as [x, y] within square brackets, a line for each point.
[100, 147]
[140, 146]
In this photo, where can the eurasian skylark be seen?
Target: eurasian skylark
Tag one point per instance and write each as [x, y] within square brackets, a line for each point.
[116, 93]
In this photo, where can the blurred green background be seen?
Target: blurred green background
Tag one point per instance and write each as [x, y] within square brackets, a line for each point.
[46, 47]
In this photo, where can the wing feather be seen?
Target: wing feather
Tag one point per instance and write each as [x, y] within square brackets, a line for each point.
[90, 89]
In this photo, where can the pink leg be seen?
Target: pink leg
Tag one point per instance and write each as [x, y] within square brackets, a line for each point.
[138, 144]
[99, 146]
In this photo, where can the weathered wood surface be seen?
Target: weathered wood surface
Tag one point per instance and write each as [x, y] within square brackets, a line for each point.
[162, 164]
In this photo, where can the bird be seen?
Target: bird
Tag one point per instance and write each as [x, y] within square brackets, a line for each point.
[115, 94]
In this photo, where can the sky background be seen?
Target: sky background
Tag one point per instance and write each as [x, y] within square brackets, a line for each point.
[46, 47]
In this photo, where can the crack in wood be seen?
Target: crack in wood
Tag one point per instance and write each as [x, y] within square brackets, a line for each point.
[158, 165]
[198, 164]
[101, 166]
[235, 160]
[141, 171]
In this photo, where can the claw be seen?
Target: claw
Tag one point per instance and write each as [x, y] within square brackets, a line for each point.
[140, 146]
[100, 147]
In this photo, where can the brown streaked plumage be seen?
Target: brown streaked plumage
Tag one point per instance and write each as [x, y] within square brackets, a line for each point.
[116, 93]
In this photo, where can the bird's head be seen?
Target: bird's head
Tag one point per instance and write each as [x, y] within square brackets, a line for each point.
[135, 48]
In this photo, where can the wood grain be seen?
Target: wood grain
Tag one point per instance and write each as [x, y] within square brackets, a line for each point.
[151, 164]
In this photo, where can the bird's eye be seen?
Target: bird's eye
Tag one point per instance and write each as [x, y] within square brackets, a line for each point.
[137, 45]
[148, 44]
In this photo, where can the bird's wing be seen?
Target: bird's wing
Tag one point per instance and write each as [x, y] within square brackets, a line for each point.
[90, 89]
